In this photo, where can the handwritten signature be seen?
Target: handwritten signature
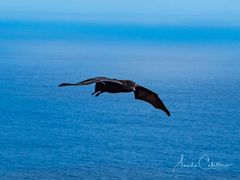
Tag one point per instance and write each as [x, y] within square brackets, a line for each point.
[203, 163]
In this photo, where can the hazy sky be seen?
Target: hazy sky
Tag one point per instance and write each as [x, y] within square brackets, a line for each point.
[219, 10]
[126, 6]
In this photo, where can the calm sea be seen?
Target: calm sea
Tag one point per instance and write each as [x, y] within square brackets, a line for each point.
[50, 133]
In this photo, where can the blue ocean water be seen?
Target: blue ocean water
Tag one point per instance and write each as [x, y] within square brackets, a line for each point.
[48, 132]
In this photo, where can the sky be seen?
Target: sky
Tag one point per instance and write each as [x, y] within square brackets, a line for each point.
[218, 11]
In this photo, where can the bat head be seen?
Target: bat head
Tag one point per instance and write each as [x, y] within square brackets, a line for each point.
[130, 84]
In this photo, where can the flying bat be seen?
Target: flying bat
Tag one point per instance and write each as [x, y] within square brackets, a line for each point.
[104, 84]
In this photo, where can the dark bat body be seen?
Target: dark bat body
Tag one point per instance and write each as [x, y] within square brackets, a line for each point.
[104, 84]
[111, 87]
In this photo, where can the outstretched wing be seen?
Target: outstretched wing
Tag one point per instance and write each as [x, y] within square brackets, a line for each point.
[92, 80]
[147, 95]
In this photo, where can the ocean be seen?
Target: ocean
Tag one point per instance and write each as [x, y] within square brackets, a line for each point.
[47, 132]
